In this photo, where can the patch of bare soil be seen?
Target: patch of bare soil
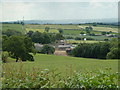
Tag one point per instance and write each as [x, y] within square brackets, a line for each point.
[60, 53]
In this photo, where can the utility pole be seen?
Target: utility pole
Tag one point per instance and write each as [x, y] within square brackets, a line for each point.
[23, 25]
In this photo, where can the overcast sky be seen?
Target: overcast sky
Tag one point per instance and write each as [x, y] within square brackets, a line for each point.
[58, 10]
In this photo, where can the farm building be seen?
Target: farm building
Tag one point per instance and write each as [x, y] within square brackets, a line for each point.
[111, 35]
[98, 34]
[63, 47]
[38, 46]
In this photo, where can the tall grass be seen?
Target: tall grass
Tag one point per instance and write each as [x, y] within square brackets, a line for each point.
[39, 78]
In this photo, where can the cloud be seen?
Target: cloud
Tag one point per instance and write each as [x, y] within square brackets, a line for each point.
[12, 11]
[58, 10]
[60, 0]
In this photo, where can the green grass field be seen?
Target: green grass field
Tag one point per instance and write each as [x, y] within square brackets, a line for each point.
[17, 27]
[53, 28]
[63, 64]
[81, 41]
[68, 30]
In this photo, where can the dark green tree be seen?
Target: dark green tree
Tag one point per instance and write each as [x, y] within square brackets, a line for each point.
[60, 31]
[29, 34]
[10, 32]
[94, 24]
[46, 38]
[47, 29]
[19, 47]
[43, 38]
[88, 29]
[81, 32]
[46, 49]
[103, 33]
[59, 36]
[37, 37]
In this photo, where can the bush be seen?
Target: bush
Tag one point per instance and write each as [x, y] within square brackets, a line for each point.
[93, 34]
[69, 37]
[78, 38]
[81, 32]
[89, 38]
[103, 33]
[46, 49]
[106, 39]
[60, 30]
[5, 56]
[113, 54]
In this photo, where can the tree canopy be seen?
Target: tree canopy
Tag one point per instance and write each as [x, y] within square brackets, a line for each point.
[47, 49]
[19, 47]
[10, 32]
[47, 29]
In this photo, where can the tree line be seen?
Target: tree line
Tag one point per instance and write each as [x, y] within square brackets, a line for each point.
[102, 50]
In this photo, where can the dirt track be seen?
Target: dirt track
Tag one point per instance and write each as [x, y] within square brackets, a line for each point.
[60, 53]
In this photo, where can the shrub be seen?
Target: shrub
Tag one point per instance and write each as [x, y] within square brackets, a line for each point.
[81, 32]
[78, 38]
[106, 39]
[69, 37]
[92, 34]
[5, 56]
[103, 33]
[90, 38]
[113, 54]
[47, 29]
[60, 30]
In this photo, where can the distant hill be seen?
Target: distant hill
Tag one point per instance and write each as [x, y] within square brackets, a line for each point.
[112, 20]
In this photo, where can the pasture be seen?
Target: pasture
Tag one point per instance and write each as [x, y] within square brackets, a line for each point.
[73, 29]
[67, 29]
[81, 41]
[65, 65]
[17, 27]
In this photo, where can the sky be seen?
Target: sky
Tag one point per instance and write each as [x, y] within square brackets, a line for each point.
[14, 10]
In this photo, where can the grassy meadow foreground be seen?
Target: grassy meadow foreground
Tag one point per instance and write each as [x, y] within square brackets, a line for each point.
[50, 71]
[64, 64]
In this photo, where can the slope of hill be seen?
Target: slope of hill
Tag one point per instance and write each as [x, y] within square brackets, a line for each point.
[64, 64]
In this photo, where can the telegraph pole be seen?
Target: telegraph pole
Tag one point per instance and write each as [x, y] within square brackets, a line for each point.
[23, 25]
